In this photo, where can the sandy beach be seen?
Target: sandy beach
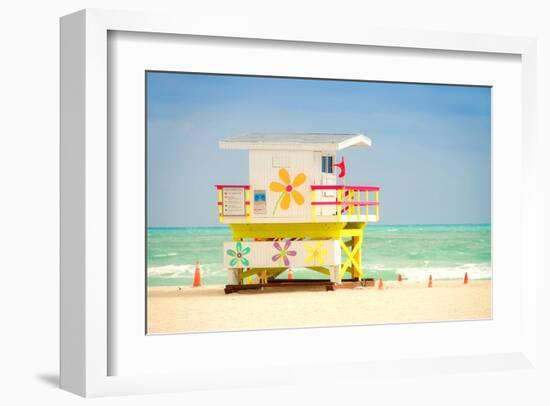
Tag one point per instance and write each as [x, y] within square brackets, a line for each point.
[208, 308]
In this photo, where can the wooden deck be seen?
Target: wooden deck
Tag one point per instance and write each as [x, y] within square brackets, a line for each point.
[301, 283]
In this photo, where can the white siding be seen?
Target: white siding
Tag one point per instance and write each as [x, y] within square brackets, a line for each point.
[259, 254]
[264, 168]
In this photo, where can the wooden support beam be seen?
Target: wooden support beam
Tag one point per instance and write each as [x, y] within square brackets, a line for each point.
[356, 244]
[351, 232]
[281, 284]
[350, 257]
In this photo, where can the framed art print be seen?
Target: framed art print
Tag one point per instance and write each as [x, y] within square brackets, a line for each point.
[303, 221]
[248, 191]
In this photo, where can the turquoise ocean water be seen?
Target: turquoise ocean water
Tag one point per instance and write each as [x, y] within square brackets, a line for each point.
[416, 251]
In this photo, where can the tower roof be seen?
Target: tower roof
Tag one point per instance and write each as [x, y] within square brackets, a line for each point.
[296, 141]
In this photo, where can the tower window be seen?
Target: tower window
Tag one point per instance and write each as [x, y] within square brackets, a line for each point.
[326, 164]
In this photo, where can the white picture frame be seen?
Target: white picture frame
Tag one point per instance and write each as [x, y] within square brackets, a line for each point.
[85, 258]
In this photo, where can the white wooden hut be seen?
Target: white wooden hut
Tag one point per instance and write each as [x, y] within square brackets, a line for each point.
[295, 190]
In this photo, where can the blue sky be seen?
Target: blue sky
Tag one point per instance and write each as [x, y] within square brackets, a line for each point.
[431, 152]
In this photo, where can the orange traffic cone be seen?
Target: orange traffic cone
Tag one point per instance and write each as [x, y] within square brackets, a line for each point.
[197, 278]
[399, 278]
[290, 276]
[430, 283]
[380, 283]
[465, 278]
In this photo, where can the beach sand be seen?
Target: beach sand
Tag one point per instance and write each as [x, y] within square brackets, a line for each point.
[208, 308]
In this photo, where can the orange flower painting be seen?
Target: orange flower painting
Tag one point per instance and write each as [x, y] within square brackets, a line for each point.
[287, 189]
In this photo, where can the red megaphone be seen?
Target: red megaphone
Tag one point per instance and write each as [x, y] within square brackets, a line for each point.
[342, 166]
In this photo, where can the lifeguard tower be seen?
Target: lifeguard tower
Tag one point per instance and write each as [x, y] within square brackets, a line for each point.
[295, 212]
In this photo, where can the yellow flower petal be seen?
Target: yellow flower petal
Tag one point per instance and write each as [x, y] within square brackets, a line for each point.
[276, 187]
[285, 202]
[298, 198]
[285, 177]
[299, 180]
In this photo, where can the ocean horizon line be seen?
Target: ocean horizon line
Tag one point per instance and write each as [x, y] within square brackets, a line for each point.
[370, 225]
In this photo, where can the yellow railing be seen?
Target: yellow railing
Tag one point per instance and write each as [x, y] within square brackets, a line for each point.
[348, 199]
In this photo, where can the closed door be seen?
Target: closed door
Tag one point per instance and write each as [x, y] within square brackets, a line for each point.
[328, 178]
